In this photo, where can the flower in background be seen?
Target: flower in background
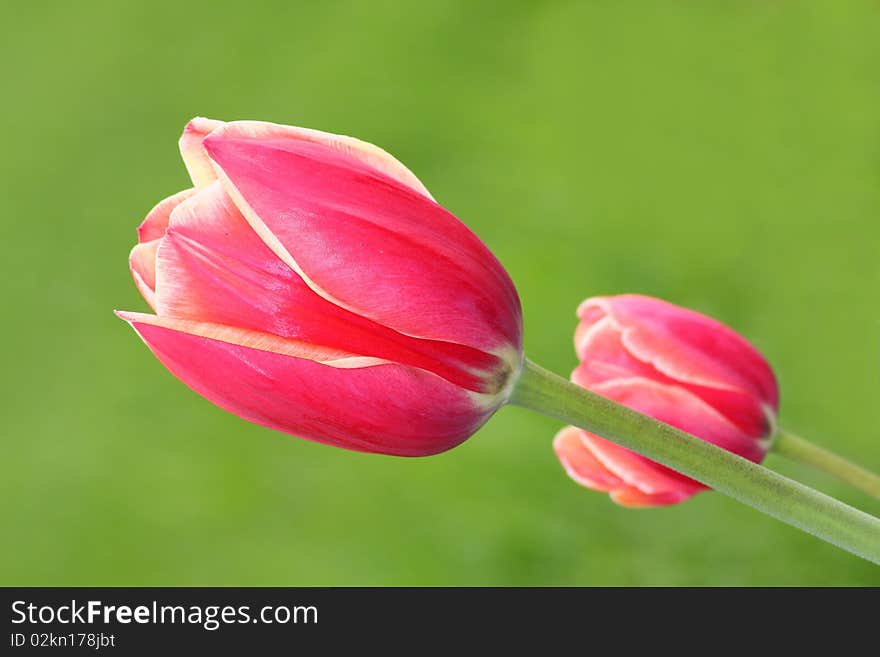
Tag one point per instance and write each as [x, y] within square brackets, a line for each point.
[678, 366]
[308, 282]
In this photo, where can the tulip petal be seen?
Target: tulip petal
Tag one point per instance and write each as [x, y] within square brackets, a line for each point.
[212, 267]
[156, 222]
[698, 353]
[197, 162]
[369, 244]
[243, 337]
[634, 470]
[605, 355]
[682, 409]
[348, 147]
[142, 259]
[580, 464]
[577, 451]
[690, 347]
[386, 408]
[142, 263]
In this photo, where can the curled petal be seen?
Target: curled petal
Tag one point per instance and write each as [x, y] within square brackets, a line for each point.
[688, 346]
[142, 259]
[580, 464]
[348, 147]
[635, 471]
[197, 162]
[368, 243]
[584, 458]
[590, 314]
[156, 222]
[142, 262]
[604, 357]
[372, 407]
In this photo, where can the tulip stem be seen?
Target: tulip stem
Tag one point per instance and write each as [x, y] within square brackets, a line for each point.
[739, 478]
[798, 449]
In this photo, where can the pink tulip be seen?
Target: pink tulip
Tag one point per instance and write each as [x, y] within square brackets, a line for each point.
[677, 366]
[309, 283]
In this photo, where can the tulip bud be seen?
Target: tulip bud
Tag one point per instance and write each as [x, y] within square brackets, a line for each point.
[309, 283]
[677, 366]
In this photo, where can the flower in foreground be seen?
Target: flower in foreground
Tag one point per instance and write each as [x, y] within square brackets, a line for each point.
[678, 366]
[308, 282]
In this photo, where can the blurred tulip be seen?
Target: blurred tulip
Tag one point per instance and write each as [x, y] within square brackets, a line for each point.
[309, 282]
[677, 366]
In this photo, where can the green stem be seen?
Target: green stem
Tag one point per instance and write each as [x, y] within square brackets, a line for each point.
[798, 449]
[751, 484]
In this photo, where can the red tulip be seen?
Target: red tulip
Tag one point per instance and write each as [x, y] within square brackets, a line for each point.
[310, 283]
[679, 367]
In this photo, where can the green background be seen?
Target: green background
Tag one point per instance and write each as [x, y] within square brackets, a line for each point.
[722, 155]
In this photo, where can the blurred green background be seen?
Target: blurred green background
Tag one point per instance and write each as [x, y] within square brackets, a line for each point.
[722, 155]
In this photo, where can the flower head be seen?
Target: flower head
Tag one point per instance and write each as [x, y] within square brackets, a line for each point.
[309, 282]
[678, 366]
